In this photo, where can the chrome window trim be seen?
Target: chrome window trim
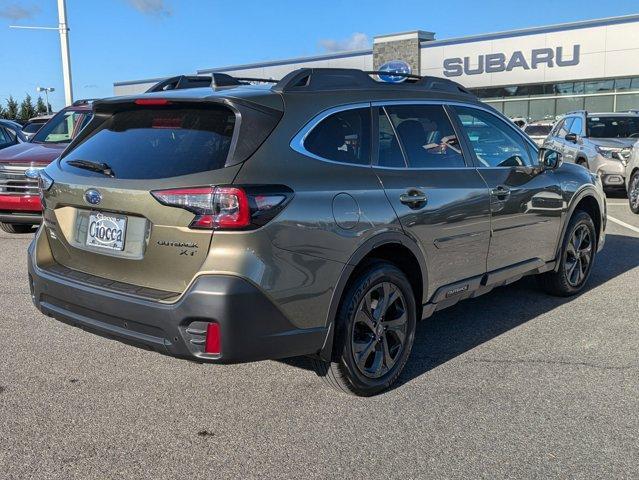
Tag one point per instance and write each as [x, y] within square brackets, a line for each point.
[297, 143]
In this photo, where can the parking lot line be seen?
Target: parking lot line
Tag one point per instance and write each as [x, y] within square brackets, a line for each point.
[623, 224]
[617, 204]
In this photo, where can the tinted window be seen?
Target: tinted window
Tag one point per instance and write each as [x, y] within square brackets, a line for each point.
[427, 136]
[32, 127]
[5, 137]
[565, 127]
[342, 137]
[389, 151]
[63, 127]
[495, 143]
[613, 127]
[538, 130]
[577, 126]
[159, 143]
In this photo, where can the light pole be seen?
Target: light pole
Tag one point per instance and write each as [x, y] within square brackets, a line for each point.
[46, 91]
[63, 30]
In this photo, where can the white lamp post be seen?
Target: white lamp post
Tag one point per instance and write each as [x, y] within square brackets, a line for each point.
[46, 91]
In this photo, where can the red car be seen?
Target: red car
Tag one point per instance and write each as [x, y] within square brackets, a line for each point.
[20, 207]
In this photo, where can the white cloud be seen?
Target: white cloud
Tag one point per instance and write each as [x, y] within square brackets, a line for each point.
[152, 7]
[15, 11]
[357, 41]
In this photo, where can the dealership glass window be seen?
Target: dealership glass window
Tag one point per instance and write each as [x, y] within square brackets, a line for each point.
[517, 108]
[565, 105]
[578, 87]
[564, 88]
[623, 83]
[604, 103]
[499, 106]
[342, 137]
[634, 84]
[599, 86]
[496, 144]
[627, 102]
[427, 136]
[542, 109]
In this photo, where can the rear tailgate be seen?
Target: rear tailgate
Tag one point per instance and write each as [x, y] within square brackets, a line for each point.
[106, 222]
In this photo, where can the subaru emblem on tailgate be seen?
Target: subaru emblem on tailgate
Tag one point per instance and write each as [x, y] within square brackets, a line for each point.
[93, 197]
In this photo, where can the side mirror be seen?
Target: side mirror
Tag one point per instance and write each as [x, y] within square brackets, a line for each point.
[549, 159]
[571, 137]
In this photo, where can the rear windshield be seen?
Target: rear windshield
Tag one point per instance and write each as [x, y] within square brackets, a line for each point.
[613, 127]
[538, 130]
[159, 142]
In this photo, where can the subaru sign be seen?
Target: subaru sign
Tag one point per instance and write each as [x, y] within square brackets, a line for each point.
[394, 66]
[499, 62]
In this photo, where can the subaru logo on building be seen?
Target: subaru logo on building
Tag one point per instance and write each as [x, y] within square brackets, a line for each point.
[32, 173]
[394, 66]
[93, 197]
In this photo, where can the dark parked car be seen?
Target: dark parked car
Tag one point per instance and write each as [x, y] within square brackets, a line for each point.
[322, 216]
[34, 124]
[10, 134]
[19, 165]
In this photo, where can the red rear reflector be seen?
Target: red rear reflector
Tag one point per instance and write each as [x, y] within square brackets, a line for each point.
[212, 344]
[151, 101]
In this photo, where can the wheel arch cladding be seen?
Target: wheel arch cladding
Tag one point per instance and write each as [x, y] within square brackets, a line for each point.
[394, 248]
[589, 204]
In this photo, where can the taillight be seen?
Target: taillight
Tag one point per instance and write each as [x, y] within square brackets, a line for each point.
[230, 208]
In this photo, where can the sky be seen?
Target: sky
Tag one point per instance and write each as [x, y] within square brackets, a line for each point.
[116, 40]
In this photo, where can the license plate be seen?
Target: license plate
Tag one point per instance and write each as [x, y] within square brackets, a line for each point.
[106, 230]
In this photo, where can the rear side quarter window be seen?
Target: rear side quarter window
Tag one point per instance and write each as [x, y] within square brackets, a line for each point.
[343, 137]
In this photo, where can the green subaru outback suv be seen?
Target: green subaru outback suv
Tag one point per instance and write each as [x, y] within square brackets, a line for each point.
[322, 216]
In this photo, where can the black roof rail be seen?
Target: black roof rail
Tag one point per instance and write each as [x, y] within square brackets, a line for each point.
[215, 80]
[181, 82]
[83, 101]
[320, 79]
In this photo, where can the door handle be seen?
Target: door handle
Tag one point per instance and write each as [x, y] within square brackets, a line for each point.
[414, 199]
[501, 192]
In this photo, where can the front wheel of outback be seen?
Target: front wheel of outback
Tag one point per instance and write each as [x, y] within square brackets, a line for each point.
[576, 258]
[374, 333]
[15, 228]
[633, 192]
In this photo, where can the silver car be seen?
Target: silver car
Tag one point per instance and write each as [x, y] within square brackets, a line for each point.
[538, 131]
[600, 142]
[632, 179]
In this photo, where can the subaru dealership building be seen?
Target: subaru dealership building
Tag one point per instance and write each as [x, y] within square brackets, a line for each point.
[535, 73]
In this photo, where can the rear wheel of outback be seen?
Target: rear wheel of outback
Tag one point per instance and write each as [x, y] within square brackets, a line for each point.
[375, 330]
[633, 192]
[16, 228]
[576, 258]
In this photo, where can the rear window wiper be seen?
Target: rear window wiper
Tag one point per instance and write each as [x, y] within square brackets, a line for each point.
[102, 168]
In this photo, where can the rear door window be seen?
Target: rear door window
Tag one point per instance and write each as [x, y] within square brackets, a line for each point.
[427, 137]
[159, 142]
[343, 137]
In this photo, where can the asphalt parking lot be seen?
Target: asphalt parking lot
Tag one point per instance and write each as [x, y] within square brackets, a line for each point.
[511, 384]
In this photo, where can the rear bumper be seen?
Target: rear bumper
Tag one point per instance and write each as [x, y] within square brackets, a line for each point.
[251, 327]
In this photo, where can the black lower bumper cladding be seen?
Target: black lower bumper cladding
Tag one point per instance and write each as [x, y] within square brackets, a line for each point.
[251, 326]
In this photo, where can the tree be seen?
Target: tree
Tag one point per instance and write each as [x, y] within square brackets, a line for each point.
[12, 109]
[27, 109]
[3, 112]
[41, 107]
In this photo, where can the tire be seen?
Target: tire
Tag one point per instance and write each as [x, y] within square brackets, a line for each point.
[584, 163]
[376, 311]
[576, 258]
[16, 227]
[633, 192]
